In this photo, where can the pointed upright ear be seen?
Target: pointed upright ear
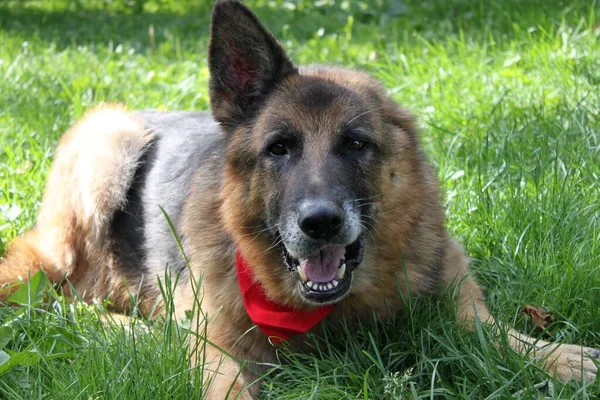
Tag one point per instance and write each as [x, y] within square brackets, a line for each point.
[245, 61]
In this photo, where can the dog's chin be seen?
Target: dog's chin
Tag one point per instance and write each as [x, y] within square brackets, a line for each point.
[327, 291]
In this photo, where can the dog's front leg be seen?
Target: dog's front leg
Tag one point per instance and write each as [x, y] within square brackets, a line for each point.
[212, 339]
[222, 375]
[223, 378]
[564, 361]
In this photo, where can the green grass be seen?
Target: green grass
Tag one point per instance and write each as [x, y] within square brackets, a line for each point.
[507, 95]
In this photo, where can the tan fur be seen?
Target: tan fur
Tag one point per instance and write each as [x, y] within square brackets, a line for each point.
[407, 248]
[100, 154]
[69, 242]
[407, 238]
[21, 262]
[92, 171]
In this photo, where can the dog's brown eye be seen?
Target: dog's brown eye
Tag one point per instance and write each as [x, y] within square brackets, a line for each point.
[277, 149]
[356, 145]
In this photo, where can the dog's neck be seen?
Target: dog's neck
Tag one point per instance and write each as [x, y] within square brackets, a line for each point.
[278, 322]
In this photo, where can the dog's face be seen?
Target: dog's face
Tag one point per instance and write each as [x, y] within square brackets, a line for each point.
[308, 146]
[316, 145]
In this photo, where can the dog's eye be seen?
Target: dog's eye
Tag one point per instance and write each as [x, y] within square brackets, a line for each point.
[356, 145]
[277, 149]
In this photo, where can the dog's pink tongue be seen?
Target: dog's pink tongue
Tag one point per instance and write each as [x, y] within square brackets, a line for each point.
[323, 266]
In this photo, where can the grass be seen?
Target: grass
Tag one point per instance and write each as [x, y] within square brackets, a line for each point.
[507, 95]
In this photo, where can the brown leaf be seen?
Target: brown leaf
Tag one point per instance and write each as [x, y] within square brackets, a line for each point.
[540, 316]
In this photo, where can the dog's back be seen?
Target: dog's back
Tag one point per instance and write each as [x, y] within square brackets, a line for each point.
[140, 232]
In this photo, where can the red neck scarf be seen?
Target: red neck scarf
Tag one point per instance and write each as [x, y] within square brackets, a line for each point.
[275, 320]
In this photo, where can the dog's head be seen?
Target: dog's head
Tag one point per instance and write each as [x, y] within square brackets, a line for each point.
[312, 154]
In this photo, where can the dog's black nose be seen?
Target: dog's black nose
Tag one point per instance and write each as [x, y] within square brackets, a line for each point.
[320, 219]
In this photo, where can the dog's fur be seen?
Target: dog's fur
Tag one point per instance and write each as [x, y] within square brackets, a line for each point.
[283, 142]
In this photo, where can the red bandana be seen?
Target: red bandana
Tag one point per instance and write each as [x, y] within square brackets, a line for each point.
[274, 320]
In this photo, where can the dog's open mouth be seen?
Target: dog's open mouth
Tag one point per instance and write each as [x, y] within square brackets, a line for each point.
[326, 276]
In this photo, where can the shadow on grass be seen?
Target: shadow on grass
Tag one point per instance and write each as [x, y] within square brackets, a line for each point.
[90, 23]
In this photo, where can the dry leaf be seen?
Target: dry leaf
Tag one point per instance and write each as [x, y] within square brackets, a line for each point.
[540, 316]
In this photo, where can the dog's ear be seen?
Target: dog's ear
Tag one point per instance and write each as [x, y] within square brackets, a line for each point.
[245, 63]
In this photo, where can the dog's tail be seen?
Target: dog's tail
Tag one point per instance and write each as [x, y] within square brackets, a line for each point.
[22, 260]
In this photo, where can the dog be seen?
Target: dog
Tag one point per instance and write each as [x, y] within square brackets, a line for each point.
[303, 199]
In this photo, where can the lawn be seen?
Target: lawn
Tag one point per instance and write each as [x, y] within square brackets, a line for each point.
[508, 99]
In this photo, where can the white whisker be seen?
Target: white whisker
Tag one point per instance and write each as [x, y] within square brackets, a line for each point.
[360, 115]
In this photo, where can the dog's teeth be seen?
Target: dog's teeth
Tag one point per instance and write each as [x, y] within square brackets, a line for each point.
[341, 271]
[322, 287]
[302, 274]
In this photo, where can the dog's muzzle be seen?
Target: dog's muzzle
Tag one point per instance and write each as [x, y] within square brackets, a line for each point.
[326, 276]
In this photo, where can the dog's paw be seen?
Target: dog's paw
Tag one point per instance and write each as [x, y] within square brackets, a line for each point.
[570, 362]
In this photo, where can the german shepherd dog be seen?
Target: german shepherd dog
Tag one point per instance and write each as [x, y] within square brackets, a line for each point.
[305, 190]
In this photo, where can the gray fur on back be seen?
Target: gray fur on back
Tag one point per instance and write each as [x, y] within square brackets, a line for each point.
[183, 141]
